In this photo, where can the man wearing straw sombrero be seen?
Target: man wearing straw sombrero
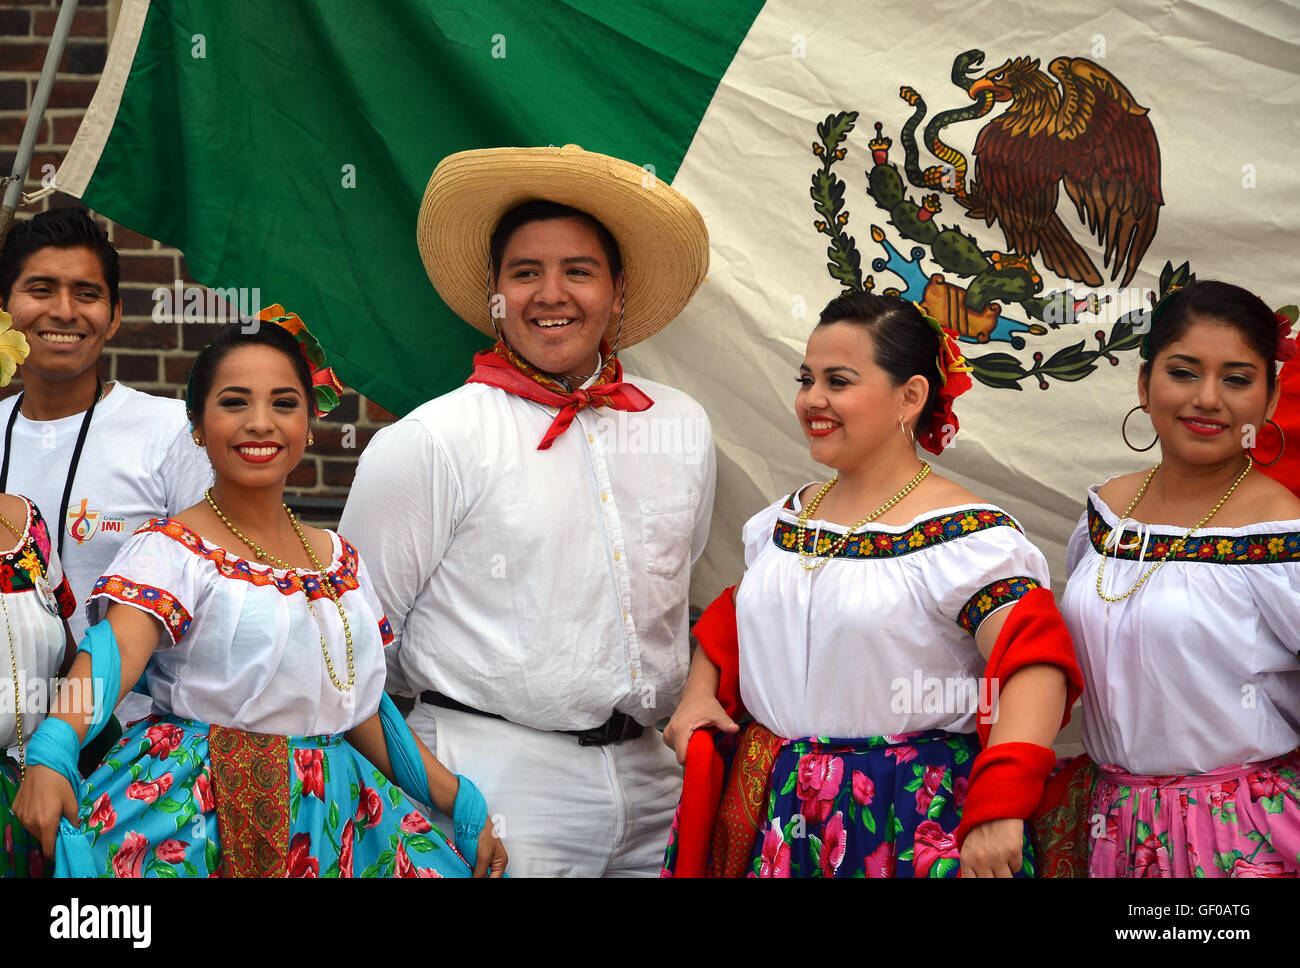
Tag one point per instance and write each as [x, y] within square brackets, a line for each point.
[531, 532]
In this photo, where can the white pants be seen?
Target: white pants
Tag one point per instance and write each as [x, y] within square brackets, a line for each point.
[561, 809]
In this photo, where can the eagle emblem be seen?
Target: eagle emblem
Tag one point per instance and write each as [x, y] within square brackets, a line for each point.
[1077, 128]
[1089, 136]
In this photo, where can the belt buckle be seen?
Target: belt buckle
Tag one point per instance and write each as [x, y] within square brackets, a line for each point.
[613, 730]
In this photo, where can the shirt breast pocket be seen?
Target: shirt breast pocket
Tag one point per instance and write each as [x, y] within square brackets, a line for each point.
[667, 528]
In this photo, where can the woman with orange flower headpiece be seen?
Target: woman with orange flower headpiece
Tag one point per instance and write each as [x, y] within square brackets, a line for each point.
[888, 607]
[273, 751]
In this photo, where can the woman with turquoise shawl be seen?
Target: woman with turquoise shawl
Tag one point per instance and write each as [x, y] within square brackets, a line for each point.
[272, 751]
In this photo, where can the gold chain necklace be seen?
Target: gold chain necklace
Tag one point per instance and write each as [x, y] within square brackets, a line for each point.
[326, 583]
[13, 663]
[802, 533]
[1176, 545]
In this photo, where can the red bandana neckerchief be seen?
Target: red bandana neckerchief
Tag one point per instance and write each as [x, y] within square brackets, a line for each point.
[498, 367]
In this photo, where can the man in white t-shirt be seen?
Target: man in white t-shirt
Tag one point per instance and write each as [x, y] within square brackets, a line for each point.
[98, 459]
[530, 534]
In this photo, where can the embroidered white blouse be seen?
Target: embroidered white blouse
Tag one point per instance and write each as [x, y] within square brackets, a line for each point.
[239, 645]
[880, 639]
[1198, 669]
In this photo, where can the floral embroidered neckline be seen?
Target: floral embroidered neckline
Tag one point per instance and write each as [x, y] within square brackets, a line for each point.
[27, 565]
[1258, 547]
[916, 536]
[342, 553]
[30, 524]
[175, 615]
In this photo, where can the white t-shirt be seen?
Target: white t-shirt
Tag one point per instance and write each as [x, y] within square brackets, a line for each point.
[138, 462]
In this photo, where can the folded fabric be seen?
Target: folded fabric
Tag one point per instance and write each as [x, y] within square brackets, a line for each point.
[701, 793]
[54, 744]
[100, 644]
[469, 813]
[1006, 781]
[1033, 633]
[403, 753]
[468, 816]
[715, 631]
[72, 854]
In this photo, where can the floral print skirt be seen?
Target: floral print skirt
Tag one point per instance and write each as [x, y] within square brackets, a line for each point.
[885, 806]
[21, 854]
[177, 798]
[1240, 821]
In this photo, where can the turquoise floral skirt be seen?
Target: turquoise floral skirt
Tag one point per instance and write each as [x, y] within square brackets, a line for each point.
[176, 798]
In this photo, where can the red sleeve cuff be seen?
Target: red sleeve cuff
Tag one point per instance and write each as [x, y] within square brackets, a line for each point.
[1006, 781]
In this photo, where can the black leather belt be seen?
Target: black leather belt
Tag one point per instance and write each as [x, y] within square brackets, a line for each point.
[616, 729]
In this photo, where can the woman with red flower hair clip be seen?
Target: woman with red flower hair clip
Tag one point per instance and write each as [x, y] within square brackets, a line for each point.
[887, 607]
[1184, 602]
[273, 751]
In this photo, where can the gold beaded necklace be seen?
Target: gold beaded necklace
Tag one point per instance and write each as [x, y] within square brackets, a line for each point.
[811, 507]
[1176, 545]
[326, 583]
[13, 662]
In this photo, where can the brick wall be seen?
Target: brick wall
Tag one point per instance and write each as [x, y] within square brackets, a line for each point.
[149, 356]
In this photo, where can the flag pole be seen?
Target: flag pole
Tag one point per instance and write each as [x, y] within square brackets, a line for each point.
[40, 99]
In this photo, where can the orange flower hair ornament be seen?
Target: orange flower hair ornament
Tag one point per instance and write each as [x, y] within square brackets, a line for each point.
[325, 384]
[954, 374]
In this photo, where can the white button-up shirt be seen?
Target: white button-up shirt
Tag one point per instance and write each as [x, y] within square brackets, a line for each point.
[546, 586]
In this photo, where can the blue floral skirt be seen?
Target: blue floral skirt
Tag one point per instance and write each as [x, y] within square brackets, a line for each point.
[176, 798]
[885, 806]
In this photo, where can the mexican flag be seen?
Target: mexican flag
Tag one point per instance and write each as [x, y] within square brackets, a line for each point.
[828, 145]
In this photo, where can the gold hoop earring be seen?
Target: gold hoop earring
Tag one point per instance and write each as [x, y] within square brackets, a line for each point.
[907, 433]
[1282, 436]
[1123, 432]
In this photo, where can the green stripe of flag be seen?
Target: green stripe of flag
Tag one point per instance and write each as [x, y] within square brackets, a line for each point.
[236, 128]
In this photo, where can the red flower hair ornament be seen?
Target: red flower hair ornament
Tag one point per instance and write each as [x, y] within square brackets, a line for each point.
[936, 432]
[1286, 344]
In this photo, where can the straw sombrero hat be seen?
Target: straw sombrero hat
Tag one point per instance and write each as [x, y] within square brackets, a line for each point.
[661, 236]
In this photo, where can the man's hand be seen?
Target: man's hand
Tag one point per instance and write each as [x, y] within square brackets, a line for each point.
[491, 859]
[44, 797]
[692, 714]
[993, 849]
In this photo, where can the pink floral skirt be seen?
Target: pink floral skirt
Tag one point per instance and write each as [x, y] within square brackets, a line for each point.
[1239, 821]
